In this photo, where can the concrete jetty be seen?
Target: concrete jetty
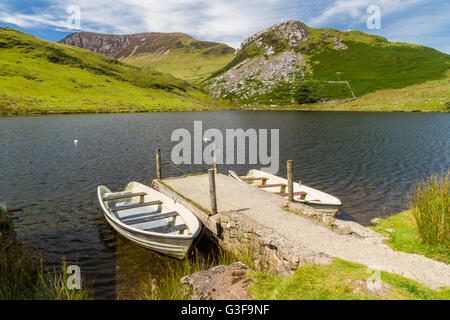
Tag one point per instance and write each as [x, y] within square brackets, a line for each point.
[284, 239]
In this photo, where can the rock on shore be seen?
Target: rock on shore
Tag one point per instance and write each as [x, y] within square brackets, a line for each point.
[220, 283]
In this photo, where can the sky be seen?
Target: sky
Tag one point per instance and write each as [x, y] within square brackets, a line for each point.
[425, 22]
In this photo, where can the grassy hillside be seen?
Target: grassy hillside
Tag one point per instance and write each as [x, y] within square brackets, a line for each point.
[176, 53]
[430, 96]
[189, 64]
[372, 63]
[369, 63]
[37, 76]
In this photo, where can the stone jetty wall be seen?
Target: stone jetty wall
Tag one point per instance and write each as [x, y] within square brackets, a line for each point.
[272, 252]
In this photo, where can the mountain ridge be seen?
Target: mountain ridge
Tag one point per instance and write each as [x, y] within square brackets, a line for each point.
[176, 53]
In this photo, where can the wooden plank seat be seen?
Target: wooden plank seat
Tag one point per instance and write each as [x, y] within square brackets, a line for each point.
[137, 205]
[151, 217]
[168, 229]
[276, 185]
[299, 193]
[124, 196]
[249, 179]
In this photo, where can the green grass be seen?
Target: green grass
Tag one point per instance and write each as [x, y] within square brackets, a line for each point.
[371, 63]
[328, 282]
[192, 66]
[425, 228]
[369, 68]
[404, 236]
[430, 205]
[38, 77]
[430, 96]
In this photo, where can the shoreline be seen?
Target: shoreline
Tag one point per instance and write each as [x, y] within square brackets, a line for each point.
[274, 109]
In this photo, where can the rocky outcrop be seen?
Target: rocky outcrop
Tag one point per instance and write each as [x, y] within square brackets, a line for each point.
[110, 45]
[219, 283]
[263, 62]
[124, 46]
[292, 31]
[273, 64]
[259, 75]
[339, 44]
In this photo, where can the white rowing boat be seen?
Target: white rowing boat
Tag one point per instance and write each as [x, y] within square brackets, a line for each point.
[150, 219]
[274, 184]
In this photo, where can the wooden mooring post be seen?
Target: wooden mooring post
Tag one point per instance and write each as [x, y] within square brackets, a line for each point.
[212, 191]
[290, 181]
[216, 167]
[158, 164]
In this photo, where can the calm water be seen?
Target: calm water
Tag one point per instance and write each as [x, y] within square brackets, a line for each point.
[368, 160]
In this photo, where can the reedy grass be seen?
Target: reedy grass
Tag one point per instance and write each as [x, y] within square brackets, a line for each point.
[429, 204]
[424, 229]
[56, 285]
[23, 277]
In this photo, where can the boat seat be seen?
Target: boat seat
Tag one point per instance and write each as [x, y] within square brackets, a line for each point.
[124, 196]
[168, 229]
[272, 185]
[137, 205]
[151, 217]
[299, 193]
[251, 179]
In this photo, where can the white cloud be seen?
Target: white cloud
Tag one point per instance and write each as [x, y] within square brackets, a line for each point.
[342, 10]
[218, 20]
[228, 21]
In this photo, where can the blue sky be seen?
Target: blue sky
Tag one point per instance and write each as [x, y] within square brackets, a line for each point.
[424, 22]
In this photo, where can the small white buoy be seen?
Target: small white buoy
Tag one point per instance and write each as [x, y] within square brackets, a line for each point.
[75, 142]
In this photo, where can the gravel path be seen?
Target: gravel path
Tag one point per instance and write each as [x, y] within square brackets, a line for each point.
[266, 209]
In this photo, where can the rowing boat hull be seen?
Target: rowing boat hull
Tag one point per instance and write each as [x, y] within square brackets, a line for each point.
[327, 204]
[172, 245]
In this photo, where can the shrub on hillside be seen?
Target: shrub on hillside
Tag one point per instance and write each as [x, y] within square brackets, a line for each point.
[307, 92]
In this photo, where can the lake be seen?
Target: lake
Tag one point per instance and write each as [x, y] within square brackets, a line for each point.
[368, 160]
